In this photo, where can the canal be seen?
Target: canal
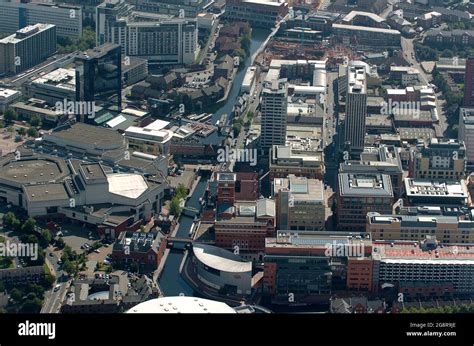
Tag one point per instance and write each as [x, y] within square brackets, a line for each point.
[170, 280]
[258, 38]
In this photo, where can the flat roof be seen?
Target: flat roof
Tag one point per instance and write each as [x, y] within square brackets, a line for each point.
[127, 185]
[221, 259]
[80, 134]
[435, 188]
[46, 192]
[365, 184]
[32, 170]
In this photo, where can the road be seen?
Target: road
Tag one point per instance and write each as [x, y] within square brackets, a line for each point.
[330, 127]
[52, 299]
[408, 50]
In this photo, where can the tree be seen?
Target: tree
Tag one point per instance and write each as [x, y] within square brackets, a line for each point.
[175, 208]
[181, 191]
[60, 243]
[46, 238]
[29, 225]
[35, 121]
[245, 43]
[16, 294]
[31, 306]
[11, 222]
[10, 115]
[21, 131]
[32, 132]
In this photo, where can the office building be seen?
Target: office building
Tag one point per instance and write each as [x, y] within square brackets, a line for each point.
[145, 249]
[8, 97]
[153, 139]
[359, 194]
[99, 77]
[356, 108]
[309, 265]
[66, 17]
[16, 51]
[245, 225]
[384, 159]
[439, 159]
[107, 14]
[466, 133]
[190, 8]
[296, 158]
[447, 224]
[54, 86]
[300, 203]
[356, 35]
[158, 38]
[436, 192]
[260, 13]
[274, 113]
[469, 82]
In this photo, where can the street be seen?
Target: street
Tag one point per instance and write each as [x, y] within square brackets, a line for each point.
[52, 299]
[409, 54]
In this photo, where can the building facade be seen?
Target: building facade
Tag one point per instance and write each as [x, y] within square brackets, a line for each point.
[274, 113]
[300, 203]
[161, 39]
[439, 160]
[260, 13]
[356, 109]
[16, 50]
[359, 194]
[466, 133]
[16, 15]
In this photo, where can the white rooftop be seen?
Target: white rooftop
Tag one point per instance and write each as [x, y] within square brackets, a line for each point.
[181, 304]
[127, 185]
[220, 259]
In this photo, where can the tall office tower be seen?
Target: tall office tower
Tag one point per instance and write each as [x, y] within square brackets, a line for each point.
[159, 38]
[17, 15]
[356, 108]
[274, 113]
[469, 82]
[26, 48]
[99, 77]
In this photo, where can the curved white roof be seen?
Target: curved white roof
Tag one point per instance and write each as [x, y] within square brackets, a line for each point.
[220, 259]
[181, 304]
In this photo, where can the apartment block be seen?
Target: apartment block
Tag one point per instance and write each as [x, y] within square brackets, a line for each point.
[16, 50]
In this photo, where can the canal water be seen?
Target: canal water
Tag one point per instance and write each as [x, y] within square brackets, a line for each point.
[170, 280]
[258, 38]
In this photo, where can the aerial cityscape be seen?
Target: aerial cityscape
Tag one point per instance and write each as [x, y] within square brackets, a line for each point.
[236, 156]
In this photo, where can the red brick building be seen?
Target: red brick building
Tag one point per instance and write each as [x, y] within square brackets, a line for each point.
[146, 249]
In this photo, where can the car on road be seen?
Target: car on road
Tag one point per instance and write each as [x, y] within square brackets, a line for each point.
[56, 288]
[97, 251]
[51, 254]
